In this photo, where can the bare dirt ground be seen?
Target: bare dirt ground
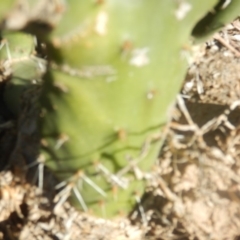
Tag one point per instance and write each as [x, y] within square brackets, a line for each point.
[194, 188]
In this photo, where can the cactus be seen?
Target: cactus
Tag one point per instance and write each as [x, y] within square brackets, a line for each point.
[6, 5]
[114, 69]
[18, 59]
[223, 13]
[22, 70]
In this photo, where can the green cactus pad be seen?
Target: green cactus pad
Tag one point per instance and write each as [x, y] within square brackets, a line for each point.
[223, 13]
[23, 67]
[115, 69]
[5, 6]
